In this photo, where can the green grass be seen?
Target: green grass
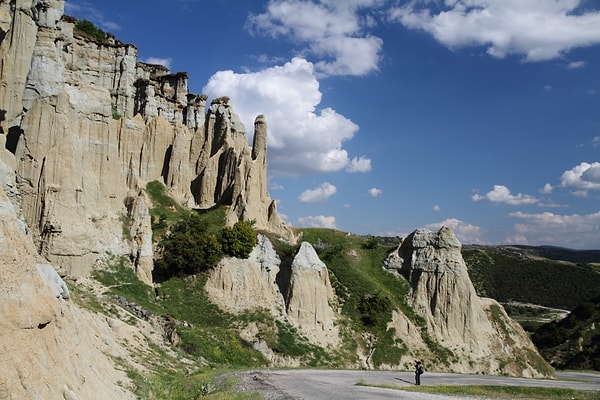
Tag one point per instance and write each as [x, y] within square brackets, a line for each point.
[504, 392]
[355, 266]
[173, 384]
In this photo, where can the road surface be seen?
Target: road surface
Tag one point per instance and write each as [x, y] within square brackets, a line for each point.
[342, 385]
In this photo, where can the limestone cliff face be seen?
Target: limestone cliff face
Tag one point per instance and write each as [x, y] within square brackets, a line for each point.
[298, 293]
[89, 126]
[479, 334]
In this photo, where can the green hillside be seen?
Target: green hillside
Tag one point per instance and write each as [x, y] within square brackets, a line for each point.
[531, 282]
[520, 274]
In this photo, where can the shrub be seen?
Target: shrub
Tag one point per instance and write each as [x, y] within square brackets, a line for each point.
[372, 242]
[189, 248]
[373, 308]
[88, 29]
[238, 240]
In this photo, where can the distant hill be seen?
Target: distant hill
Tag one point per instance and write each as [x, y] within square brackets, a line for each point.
[552, 253]
[547, 276]
[573, 342]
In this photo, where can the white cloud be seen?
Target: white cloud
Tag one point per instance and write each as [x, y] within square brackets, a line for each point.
[318, 195]
[547, 189]
[596, 141]
[576, 231]
[537, 29]
[466, 233]
[583, 177]
[576, 64]
[436, 208]
[160, 61]
[501, 194]
[331, 31]
[359, 164]
[301, 139]
[374, 192]
[318, 221]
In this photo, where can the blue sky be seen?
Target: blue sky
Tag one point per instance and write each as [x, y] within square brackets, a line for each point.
[388, 116]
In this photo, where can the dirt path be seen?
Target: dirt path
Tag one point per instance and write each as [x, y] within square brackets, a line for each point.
[342, 385]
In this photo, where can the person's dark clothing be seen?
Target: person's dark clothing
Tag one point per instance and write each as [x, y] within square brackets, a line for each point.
[418, 372]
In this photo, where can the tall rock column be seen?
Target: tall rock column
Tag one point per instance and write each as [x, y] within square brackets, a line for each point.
[309, 296]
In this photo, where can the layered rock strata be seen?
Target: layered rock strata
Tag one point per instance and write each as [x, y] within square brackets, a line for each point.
[89, 126]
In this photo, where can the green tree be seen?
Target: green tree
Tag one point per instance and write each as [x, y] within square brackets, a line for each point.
[238, 240]
[189, 248]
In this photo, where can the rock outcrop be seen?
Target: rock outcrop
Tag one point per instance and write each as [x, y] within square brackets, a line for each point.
[89, 126]
[477, 332]
[50, 348]
[297, 292]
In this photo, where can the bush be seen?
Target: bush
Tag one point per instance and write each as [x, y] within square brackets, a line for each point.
[238, 240]
[374, 308]
[88, 29]
[189, 248]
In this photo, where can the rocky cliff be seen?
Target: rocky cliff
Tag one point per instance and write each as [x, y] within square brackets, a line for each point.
[84, 126]
[50, 348]
[89, 125]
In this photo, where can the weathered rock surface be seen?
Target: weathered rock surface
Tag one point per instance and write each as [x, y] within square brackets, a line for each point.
[89, 126]
[299, 293]
[309, 297]
[49, 347]
[477, 331]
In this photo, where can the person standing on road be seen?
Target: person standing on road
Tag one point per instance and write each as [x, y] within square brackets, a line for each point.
[418, 372]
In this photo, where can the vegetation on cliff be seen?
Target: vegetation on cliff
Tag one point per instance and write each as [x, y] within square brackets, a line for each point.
[88, 29]
[193, 241]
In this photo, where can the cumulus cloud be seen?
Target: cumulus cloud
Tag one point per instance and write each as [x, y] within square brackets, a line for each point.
[547, 189]
[465, 232]
[582, 178]
[502, 195]
[301, 139]
[536, 29]
[359, 164]
[436, 208]
[576, 231]
[596, 141]
[318, 195]
[160, 61]
[318, 221]
[333, 32]
[374, 192]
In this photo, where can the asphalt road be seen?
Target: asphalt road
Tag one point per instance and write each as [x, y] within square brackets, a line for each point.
[342, 385]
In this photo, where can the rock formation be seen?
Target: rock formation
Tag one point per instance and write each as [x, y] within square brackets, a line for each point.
[50, 348]
[89, 126]
[477, 331]
[298, 292]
